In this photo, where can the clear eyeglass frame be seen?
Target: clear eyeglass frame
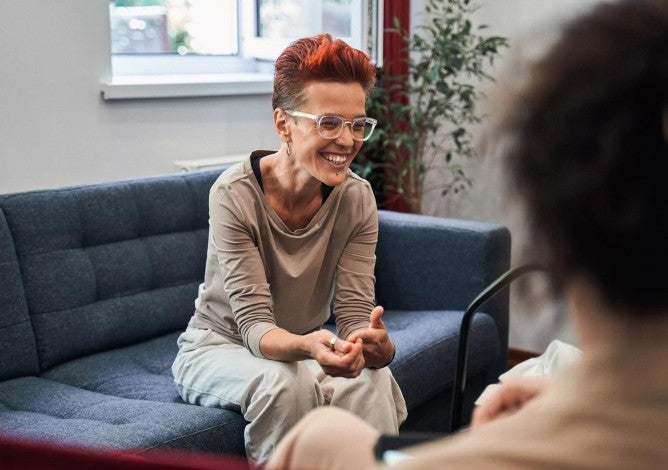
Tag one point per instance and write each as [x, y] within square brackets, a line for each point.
[335, 128]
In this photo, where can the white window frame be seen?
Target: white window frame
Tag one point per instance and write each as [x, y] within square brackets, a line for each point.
[164, 76]
[365, 32]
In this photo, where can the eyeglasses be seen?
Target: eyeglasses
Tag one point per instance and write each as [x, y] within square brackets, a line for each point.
[330, 127]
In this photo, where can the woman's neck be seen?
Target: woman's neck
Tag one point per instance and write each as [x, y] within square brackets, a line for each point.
[294, 195]
[288, 181]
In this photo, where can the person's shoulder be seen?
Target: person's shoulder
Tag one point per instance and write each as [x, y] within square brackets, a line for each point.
[355, 179]
[232, 174]
[356, 186]
[356, 197]
[234, 184]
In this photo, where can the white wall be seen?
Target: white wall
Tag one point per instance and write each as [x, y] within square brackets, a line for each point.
[530, 26]
[55, 129]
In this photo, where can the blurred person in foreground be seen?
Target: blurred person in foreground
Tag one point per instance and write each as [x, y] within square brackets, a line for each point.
[292, 234]
[589, 159]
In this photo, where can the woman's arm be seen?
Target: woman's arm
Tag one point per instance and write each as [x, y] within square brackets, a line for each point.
[245, 282]
[342, 359]
[377, 346]
[357, 317]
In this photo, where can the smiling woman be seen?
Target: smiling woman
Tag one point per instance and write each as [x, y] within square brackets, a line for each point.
[292, 233]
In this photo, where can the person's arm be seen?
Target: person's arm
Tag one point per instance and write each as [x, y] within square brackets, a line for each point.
[340, 359]
[244, 277]
[508, 397]
[378, 349]
[246, 284]
[357, 317]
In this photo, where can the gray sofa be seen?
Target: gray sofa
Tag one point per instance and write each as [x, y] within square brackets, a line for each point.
[97, 282]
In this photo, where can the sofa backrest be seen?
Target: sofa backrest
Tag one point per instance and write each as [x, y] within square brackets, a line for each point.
[112, 264]
[18, 354]
[434, 263]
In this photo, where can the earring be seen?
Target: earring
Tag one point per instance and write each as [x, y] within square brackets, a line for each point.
[287, 147]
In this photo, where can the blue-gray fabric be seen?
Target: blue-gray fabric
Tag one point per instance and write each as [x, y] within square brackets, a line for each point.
[141, 371]
[426, 359]
[432, 263]
[18, 355]
[427, 341]
[98, 281]
[37, 408]
[109, 265]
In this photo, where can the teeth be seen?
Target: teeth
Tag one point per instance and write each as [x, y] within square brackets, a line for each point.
[335, 158]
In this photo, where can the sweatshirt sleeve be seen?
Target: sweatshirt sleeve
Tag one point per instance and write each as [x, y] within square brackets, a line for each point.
[243, 273]
[355, 281]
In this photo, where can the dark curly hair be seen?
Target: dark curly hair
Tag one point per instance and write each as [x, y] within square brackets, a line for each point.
[590, 154]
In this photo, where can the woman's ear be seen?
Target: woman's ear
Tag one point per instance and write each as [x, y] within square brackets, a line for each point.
[281, 124]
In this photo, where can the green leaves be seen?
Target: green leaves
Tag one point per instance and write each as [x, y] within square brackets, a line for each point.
[428, 113]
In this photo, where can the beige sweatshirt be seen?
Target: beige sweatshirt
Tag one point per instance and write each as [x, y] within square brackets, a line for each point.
[260, 275]
[608, 411]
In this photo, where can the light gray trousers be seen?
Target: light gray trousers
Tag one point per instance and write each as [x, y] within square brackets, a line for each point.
[273, 395]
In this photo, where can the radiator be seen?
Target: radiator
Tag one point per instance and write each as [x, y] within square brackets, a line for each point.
[200, 163]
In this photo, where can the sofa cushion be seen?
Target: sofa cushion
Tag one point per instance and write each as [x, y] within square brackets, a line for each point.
[37, 408]
[109, 265]
[427, 343]
[142, 371]
[424, 366]
[18, 354]
[434, 263]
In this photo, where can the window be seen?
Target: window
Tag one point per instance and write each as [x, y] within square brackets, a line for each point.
[178, 37]
[168, 27]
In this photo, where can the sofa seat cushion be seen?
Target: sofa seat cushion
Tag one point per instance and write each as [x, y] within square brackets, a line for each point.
[427, 343]
[424, 366]
[36, 408]
[141, 371]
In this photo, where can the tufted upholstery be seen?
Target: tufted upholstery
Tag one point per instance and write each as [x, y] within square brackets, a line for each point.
[98, 281]
[454, 250]
[141, 371]
[103, 266]
[18, 355]
[37, 408]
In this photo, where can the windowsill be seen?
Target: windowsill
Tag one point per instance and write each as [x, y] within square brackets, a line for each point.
[180, 86]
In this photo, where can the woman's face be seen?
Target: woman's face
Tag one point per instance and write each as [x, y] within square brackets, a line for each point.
[325, 159]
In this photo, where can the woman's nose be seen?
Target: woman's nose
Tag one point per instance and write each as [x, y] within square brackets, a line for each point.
[346, 135]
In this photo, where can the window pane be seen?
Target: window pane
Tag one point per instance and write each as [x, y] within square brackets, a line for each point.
[299, 18]
[174, 26]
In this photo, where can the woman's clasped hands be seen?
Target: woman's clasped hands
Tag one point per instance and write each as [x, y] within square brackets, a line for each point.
[370, 347]
[338, 358]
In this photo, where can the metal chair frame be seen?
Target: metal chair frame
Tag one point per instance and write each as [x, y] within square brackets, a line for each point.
[459, 386]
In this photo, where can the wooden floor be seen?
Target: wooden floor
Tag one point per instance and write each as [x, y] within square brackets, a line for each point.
[515, 356]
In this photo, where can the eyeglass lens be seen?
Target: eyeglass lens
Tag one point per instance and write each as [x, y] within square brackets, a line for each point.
[332, 126]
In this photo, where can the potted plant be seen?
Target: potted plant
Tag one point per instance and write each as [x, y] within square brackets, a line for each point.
[428, 114]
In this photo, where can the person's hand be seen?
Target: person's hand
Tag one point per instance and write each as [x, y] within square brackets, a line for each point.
[508, 397]
[344, 359]
[378, 349]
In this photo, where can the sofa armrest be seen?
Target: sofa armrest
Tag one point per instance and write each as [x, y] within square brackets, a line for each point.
[432, 263]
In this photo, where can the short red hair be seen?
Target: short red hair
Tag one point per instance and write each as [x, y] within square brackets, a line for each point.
[318, 59]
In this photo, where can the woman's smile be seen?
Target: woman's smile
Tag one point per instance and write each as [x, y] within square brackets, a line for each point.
[337, 159]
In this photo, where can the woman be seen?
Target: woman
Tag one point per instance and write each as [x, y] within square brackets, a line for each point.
[589, 158]
[293, 233]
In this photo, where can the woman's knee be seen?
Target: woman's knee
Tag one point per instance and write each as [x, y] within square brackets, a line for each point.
[291, 384]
